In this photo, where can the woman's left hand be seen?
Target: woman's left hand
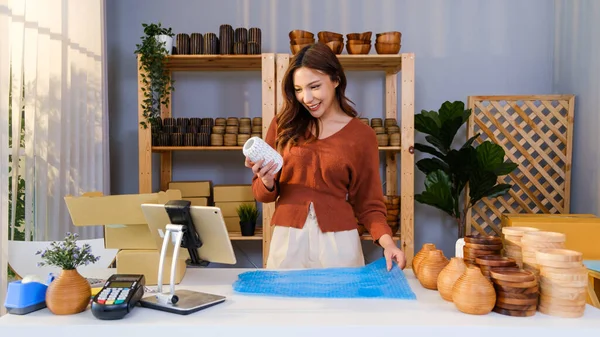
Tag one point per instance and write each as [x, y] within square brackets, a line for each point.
[392, 252]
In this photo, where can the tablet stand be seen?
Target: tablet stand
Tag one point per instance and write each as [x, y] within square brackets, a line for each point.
[181, 302]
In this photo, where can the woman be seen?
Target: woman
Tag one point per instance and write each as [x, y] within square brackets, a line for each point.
[330, 174]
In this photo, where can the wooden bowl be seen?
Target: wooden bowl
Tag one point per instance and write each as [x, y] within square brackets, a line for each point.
[330, 36]
[366, 36]
[335, 46]
[302, 41]
[295, 48]
[387, 48]
[354, 49]
[296, 34]
[389, 37]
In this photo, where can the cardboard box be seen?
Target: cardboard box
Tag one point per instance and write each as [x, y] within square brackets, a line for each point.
[125, 226]
[192, 188]
[582, 230]
[198, 201]
[233, 224]
[222, 193]
[229, 209]
[146, 262]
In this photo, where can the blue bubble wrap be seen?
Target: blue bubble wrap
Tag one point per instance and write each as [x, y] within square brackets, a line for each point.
[370, 281]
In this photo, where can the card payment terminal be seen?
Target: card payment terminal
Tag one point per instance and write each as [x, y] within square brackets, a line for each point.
[119, 296]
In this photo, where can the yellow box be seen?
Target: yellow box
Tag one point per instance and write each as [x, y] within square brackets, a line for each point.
[230, 193]
[145, 262]
[582, 230]
[192, 188]
[125, 226]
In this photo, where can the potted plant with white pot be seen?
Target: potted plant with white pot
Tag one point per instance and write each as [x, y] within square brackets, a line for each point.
[450, 170]
[157, 44]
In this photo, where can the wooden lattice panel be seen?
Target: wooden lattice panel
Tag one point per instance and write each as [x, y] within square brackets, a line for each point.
[536, 132]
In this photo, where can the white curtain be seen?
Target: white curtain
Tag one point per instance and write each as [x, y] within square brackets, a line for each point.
[57, 55]
[4, 85]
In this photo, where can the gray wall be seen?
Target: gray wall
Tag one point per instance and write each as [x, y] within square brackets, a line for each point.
[577, 70]
[462, 47]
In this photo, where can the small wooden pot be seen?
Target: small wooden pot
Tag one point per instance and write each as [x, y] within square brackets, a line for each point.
[68, 294]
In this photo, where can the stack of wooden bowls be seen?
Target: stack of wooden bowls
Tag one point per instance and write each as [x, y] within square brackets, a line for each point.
[254, 41]
[512, 242]
[387, 131]
[358, 43]
[334, 41]
[257, 127]
[388, 43]
[480, 245]
[563, 282]
[392, 203]
[244, 130]
[300, 39]
[517, 292]
[226, 39]
[488, 263]
[218, 131]
[533, 241]
[232, 128]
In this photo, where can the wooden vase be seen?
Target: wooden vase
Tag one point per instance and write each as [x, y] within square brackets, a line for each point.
[420, 255]
[430, 267]
[448, 276]
[68, 294]
[473, 293]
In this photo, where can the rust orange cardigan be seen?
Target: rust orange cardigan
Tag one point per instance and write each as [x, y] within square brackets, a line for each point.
[339, 174]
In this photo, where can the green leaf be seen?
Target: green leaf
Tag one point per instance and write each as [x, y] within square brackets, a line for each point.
[489, 156]
[429, 165]
[497, 191]
[505, 168]
[437, 192]
[480, 182]
[428, 149]
[470, 141]
[437, 143]
[427, 125]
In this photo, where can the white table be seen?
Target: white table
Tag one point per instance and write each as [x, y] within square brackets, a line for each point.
[250, 316]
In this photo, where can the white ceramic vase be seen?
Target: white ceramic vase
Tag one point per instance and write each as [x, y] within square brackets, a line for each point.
[460, 243]
[168, 40]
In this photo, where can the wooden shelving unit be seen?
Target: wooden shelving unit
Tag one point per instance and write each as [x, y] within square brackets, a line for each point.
[272, 68]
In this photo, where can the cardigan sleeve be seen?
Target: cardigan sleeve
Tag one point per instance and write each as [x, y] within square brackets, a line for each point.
[365, 192]
[261, 193]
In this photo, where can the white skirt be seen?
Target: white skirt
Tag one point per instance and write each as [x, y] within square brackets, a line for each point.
[309, 247]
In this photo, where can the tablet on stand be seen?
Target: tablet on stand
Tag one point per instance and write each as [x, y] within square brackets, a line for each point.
[197, 233]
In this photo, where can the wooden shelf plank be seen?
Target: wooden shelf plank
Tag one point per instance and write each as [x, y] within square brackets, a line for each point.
[237, 236]
[214, 62]
[195, 148]
[372, 62]
[233, 148]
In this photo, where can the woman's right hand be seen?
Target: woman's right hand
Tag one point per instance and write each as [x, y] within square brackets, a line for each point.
[266, 173]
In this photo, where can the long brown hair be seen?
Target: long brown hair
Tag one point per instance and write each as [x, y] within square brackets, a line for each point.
[294, 120]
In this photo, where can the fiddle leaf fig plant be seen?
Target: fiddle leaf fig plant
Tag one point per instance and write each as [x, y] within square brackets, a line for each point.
[157, 83]
[450, 170]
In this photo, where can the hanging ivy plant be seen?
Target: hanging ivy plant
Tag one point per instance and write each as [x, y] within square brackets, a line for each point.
[157, 82]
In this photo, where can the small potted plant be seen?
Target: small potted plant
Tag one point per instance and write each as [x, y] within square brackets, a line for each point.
[157, 43]
[450, 170]
[248, 215]
[70, 292]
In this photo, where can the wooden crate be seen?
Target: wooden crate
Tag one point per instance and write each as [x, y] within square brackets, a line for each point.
[536, 131]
